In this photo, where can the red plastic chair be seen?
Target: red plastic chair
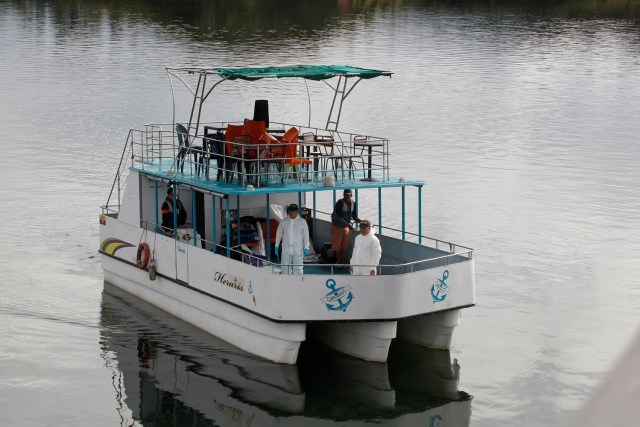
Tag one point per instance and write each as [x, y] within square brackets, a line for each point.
[291, 150]
[255, 129]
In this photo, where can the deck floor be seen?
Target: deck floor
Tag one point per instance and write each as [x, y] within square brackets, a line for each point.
[307, 181]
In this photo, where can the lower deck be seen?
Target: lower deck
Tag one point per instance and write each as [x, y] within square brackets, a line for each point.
[242, 225]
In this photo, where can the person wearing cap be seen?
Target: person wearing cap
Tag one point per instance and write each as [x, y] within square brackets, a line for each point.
[293, 232]
[366, 252]
[344, 211]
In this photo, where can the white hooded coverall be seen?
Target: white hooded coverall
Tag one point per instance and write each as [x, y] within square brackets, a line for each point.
[294, 234]
[366, 252]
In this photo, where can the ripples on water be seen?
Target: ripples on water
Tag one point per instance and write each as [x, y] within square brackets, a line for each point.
[522, 122]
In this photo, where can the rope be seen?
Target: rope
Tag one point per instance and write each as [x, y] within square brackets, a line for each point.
[144, 232]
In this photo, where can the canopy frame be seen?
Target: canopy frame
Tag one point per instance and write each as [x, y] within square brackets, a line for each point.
[308, 72]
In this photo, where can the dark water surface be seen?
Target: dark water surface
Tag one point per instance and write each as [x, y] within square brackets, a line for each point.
[522, 119]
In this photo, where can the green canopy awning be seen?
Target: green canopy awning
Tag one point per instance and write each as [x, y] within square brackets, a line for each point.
[311, 72]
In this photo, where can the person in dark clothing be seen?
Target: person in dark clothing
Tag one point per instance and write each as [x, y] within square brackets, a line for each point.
[344, 211]
[167, 213]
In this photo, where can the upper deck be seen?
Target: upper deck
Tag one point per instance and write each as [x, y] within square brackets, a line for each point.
[322, 160]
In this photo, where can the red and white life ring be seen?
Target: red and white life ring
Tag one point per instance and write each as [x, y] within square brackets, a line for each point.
[141, 262]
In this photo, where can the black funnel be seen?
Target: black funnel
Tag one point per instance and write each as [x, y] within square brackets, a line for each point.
[261, 111]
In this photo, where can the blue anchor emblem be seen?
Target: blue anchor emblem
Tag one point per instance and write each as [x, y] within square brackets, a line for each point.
[439, 288]
[336, 295]
[435, 420]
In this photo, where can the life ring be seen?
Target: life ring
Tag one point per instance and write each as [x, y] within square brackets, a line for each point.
[143, 262]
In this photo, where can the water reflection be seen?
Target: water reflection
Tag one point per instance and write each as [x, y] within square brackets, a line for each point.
[243, 21]
[166, 372]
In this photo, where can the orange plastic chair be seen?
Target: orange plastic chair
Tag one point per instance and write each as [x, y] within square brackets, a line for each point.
[233, 131]
[267, 138]
[283, 148]
[272, 151]
[291, 150]
[291, 135]
[255, 129]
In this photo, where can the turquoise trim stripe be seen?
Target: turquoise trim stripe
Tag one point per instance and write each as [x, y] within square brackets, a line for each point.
[221, 188]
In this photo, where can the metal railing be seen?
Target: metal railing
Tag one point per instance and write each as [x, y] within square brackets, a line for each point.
[341, 154]
[345, 155]
[453, 253]
[403, 267]
[439, 244]
[119, 179]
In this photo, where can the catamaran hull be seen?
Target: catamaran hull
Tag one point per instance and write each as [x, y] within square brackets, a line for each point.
[278, 342]
[371, 340]
[366, 340]
[433, 330]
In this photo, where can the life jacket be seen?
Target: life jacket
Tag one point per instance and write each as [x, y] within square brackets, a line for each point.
[344, 212]
[182, 213]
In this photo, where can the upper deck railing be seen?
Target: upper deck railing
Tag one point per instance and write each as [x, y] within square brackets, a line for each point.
[242, 161]
[319, 154]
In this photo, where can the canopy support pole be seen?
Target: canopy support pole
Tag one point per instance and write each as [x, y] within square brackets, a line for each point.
[380, 211]
[339, 89]
[228, 230]
[267, 238]
[238, 220]
[403, 213]
[213, 222]
[420, 214]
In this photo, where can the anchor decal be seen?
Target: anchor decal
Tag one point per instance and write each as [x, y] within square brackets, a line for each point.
[250, 289]
[435, 420]
[334, 299]
[439, 289]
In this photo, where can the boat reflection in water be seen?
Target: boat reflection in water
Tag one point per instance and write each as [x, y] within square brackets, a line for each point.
[169, 373]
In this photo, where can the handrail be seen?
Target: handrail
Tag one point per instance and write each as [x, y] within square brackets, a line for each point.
[151, 147]
[411, 266]
[119, 171]
[452, 246]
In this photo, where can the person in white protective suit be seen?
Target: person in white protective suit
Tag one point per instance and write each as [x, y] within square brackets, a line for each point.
[293, 232]
[366, 252]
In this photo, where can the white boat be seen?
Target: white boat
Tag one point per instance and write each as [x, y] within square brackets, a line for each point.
[230, 177]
